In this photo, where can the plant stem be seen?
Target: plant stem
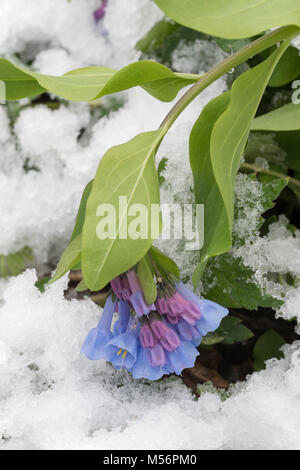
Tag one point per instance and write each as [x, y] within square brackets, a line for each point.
[257, 169]
[261, 44]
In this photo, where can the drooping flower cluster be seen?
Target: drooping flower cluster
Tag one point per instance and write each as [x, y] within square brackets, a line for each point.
[151, 340]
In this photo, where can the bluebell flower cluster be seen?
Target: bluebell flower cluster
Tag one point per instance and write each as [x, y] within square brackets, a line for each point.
[151, 340]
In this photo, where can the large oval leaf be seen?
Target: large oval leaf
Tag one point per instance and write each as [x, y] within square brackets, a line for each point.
[232, 19]
[78, 85]
[90, 83]
[228, 131]
[286, 118]
[205, 186]
[127, 170]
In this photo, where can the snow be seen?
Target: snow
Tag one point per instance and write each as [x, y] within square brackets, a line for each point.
[276, 253]
[196, 57]
[53, 398]
[248, 194]
[126, 22]
[39, 213]
[296, 42]
[50, 396]
[69, 28]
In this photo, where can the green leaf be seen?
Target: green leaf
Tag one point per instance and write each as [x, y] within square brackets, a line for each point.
[211, 339]
[81, 211]
[155, 78]
[156, 36]
[145, 276]
[41, 283]
[271, 191]
[15, 263]
[232, 45]
[163, 261]
[18, 83]
[81, 287]
[205, 186]
[69, 259]
[90, 83]
[290, 143]
[78, 85]
[267, 347]
[288, 68]
[164, 54]
[217, 142]
[82, 84]
[234, 19]
[126, 170]
[286, 118]
[233, 331]
[230, 133]
[233, 286]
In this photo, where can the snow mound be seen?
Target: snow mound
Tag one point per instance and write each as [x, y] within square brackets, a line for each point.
[277, 253]
[53, 398]
[58, 30]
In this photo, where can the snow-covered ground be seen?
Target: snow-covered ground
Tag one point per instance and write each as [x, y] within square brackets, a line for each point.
[50, 396]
